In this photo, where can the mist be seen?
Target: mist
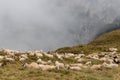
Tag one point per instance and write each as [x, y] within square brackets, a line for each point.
[50, 24]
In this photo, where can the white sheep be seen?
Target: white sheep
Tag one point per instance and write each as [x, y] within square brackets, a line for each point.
[80, 60]
[77, 64]
[75, 68]
[59, 56]
[113, 49]
[1, 57]
[32, 65]
[59, 65]
[46, 67]
[39, 61]
[49, 55]
[31, 53]
[68, 55]
[10, 59]
[96, 67]
[80, 56]
[38, 55]
[24, 56]
[111, 65]
[22, 59]
[88, 63]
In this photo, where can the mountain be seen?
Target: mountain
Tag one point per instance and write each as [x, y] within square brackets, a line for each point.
[102, 43]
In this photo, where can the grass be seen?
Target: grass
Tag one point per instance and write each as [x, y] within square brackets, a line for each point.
[111, 39]
[14, 71]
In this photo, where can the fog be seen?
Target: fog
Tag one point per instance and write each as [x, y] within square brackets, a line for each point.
[50, 24]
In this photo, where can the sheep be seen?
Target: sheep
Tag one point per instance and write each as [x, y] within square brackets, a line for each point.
[96, 67]
[80, 56]
[106, 60]
[77, 64]
[59, 65]
[48, 55]
[10, 59]
[116, 59]
[31, 53]
[32, 65]
[2, 64]
[88, 63]
[38, 55]
[80, 60]
[46, 67]
[10, 52]
[68, 55]
[39, 61]
[24, 56]
[111, 65]
[67, 66]
[59, 56]
[113, 49]
[1, 57]
[22, 59]
[75, 68]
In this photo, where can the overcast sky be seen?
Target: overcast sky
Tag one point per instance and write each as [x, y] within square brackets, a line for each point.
[50, 24]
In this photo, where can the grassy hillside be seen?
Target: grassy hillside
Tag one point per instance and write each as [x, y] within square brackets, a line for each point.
[111, 39]
[14, 70]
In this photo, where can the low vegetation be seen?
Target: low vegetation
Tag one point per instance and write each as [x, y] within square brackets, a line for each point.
[111, 39]
[14, 70]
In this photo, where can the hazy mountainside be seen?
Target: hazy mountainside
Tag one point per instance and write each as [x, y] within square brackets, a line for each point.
[40, 65]
[110, 39]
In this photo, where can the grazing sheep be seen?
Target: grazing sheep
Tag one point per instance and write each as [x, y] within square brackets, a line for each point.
[49, 55]
[111, 65]
[80, 56]
[96, 67]
[46, 67]
[31, 53]
[2, 64]
[1, 57]
[59, 65]
[10, 52]
[75, 68]
[38, 55]
[22, 59]
[39, 61]
[80, 60]
[24, 56]
[116, 59]
[59, 56]
[10, 59]
[67, 66]
[69, 55]
[32, 65]
[88, 63]
[113, 49]
[77, 64]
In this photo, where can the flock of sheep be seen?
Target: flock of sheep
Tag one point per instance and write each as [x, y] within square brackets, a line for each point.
[55, 61]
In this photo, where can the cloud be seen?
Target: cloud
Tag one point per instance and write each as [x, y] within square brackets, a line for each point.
[48, 25]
